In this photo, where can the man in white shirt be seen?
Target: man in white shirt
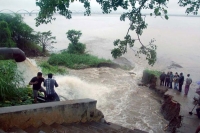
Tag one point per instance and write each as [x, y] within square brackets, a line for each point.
[49, 84]
[187, 84]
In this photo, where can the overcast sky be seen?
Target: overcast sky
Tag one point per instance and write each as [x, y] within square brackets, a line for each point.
[29, 5]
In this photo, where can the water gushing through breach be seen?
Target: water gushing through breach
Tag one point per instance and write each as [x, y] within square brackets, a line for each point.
[71, 87]
[29, 69]
[117, 94]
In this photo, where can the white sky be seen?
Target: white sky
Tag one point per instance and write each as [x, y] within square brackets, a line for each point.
[29, 5]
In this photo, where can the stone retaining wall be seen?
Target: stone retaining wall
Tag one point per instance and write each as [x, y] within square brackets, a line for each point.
[81, 110]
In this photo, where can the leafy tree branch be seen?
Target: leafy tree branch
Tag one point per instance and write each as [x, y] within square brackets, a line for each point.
[134, 15]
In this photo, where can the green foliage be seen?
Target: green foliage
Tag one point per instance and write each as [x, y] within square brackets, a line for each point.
[75, 47]
[12, 91]
[21, 96]
[10, 78]
[75, 61]
[45, 40]
[154, 72]
[17, 33]
[148, 75]
[192, 6]
[79, 48]
[74, 36]
[47, 68]
[5, 35]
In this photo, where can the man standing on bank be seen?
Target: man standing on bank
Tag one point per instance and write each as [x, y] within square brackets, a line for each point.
[181, 80]
[162, 79]
[49, 84]
[187, 84]
[36, 82]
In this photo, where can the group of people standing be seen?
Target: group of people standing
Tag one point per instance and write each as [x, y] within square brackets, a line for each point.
[49, 83]
[168, 79]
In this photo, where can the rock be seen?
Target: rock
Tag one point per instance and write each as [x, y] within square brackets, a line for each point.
[124, 63]
[140, 84]
[174, 65]
[106, 64]
[97, 115]
[132, 73]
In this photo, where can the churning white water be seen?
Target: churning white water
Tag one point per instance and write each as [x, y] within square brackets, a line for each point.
[116, 92]
[29, 69]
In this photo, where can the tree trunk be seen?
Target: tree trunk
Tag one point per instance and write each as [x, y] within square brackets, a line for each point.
[43, 48]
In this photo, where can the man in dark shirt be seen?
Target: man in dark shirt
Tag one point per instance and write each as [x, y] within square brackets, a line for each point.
[162, 78]
[49, 84]
[36, 82]
[181, 80]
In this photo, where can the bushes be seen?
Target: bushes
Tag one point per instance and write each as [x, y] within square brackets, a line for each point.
[79, 48]
[154, 72]
[148, 75]
[47, 68]
[76, 61]
[75, 56]
[75, 47]
[10, 78]
[12, 91]
[21, 96]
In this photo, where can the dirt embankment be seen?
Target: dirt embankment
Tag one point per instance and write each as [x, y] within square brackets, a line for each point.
[170, 109]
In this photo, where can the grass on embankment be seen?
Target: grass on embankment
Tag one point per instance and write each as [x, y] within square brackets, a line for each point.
[154, 72]
[75, 61]
[47, 68]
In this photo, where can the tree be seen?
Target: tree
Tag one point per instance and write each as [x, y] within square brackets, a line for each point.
[45, 40]
[19, 33]
[134, 15]
[74, 36]
[75, 46]
[5, 35]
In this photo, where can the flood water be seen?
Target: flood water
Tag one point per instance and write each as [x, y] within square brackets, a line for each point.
[116, 91]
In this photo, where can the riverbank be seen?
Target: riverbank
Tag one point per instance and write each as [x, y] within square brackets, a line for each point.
[175, 104]
[189, 122]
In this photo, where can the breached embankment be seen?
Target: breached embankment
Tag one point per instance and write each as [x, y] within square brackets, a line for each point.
[170, 108]
[117, 93]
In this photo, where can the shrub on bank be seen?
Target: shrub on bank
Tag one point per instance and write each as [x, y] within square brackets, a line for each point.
[154, 72]
[79, 48]
[148, 75]
[75, 47]
[11, 82]
[47, 68]
[75, 61]
[21, 96]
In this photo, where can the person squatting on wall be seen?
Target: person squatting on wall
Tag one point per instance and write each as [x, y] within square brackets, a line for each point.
[36, 82]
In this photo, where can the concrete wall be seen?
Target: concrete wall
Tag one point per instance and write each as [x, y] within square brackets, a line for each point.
[81, 110]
